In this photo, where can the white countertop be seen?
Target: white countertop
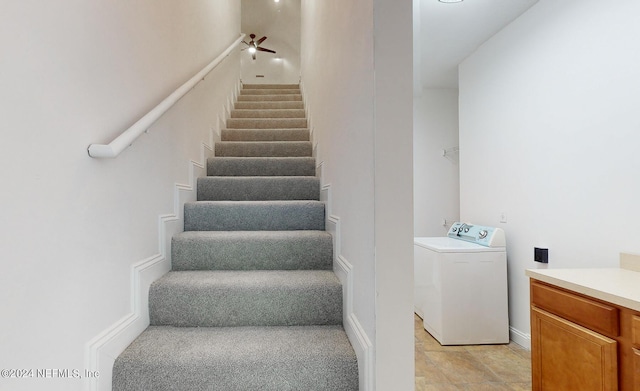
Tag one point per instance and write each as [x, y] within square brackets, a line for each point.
[614, 285]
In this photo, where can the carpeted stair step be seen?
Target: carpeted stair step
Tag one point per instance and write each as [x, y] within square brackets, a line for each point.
[267, 113]
[266, 123]
[269, 91]
[317, 358]
[265, 134]
[266, 148]
[261, 166]
[252, 250]
[266, 98]
[269, 105]
[259, 188]
[254, 216]
[271, 86]
[230, 298]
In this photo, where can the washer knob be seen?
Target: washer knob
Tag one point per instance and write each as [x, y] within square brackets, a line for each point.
[482, 234]
[466, 229]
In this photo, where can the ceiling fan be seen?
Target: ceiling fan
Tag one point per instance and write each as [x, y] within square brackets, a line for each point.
[254, 46]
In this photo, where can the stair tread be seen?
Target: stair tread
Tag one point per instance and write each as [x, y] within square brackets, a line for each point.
[238, 358]
[265, 130]
[235, 298]
[258, 188]
[266, 123]
[270, 142]
[294, 134]
[270, 91]
[250, 235]
[252, 250]
[268, 105]
[264, 148]
[248, 279]
[267, 113]
[262, 166]
[254, 215]
[270, 98]
[270, 86]
[256, 178]
[276, 203]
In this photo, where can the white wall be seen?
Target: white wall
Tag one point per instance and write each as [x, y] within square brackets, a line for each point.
[393, 157]
[549, 137]
[280, 23]
[75, 73]
[436, 179]
[359, 104]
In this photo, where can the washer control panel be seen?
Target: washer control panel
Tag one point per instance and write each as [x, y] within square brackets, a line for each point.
[485, 236]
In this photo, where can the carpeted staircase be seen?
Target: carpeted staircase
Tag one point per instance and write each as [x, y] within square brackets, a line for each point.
[251, 302]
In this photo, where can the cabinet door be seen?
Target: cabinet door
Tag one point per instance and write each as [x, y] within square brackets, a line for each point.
[566, 356]
[636, 370]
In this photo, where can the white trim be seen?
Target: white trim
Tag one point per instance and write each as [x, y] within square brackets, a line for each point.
[102, 351]
[520, 338]
[344, 271]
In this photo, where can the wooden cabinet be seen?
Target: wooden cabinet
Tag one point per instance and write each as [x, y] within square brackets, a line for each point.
[564, 352]
[636, 369]
[580, 343]
[635, 341]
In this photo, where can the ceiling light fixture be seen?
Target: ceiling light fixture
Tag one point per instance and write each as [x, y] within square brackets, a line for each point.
[277, 1]
[450, 1]
[252, 49]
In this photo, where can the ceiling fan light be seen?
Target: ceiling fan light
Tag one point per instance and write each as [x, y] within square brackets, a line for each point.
[252, 50]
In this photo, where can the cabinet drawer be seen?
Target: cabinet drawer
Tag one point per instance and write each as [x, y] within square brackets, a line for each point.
[635, 333]
[591, 314]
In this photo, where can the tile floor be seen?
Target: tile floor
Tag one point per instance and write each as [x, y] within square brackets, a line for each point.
[476, 368]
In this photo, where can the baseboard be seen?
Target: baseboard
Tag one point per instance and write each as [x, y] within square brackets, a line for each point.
[102, 351]
[344, 270]
[520, 338]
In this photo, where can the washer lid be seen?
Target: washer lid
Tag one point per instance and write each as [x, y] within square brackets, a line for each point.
[450, 245]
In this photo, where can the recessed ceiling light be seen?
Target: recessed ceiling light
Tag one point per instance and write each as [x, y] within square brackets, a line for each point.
[450, 1]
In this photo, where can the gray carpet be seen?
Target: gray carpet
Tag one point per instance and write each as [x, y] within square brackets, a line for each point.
[258, 188]
[268, 114]
[313, 358]
[261, 166]
[253, 215]
[251, 302]
[225, 298]
[299, 134]
[264, 148]
[252, 250]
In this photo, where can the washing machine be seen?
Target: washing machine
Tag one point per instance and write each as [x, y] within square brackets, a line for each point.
[461, 285]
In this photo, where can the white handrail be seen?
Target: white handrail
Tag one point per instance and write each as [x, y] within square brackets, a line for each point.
[127, 137]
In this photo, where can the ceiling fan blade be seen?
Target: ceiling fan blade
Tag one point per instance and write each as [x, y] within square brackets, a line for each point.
[265, 50]
[261, 40]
